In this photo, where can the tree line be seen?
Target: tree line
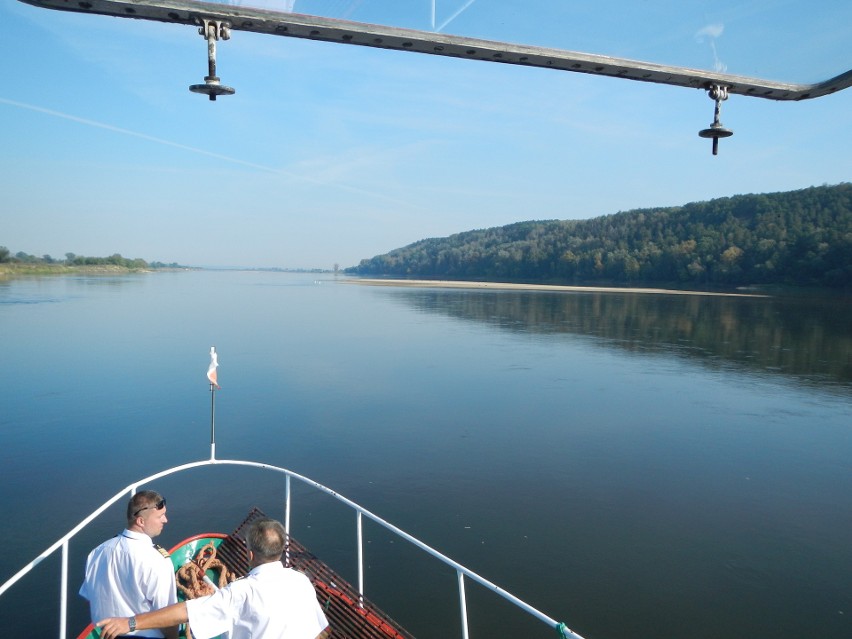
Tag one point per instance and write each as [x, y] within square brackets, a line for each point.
[801, 238]
[79, 260]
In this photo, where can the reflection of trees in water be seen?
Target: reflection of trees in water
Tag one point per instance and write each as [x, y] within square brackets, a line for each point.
[809, 339]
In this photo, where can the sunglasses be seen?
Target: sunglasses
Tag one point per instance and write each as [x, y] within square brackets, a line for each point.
[159, 506]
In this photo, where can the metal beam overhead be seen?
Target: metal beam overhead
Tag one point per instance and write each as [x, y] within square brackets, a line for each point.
[293, 25]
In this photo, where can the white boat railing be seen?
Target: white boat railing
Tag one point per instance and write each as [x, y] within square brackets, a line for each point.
[361, 512]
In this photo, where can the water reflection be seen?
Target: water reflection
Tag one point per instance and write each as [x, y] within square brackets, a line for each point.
[806, 339]
[484, 422]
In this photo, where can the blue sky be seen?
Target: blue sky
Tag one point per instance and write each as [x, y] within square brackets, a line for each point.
[331, 153]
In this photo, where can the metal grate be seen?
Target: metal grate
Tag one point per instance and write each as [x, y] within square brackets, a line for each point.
[348, 614]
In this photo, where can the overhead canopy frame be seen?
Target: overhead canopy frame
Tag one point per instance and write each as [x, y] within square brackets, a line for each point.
[293, 25]
[217, 20]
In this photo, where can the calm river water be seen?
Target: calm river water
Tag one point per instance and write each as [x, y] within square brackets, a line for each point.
[635, 465]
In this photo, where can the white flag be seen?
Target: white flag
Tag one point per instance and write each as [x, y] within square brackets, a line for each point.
[214, 364]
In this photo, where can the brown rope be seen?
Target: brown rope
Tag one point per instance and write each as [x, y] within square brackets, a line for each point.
[190, 576]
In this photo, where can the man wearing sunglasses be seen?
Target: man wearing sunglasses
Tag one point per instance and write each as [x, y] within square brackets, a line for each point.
[129, 573]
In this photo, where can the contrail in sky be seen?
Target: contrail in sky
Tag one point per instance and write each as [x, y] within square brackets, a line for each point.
[192, 149]
[452, 17]
[136, 134]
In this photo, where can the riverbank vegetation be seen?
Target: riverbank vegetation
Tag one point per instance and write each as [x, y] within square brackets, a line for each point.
[798, 238]
[24, 264]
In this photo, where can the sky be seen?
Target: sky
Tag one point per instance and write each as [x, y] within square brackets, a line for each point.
[328, 153]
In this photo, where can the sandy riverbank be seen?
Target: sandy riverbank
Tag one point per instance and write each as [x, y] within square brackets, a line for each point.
[540, 287]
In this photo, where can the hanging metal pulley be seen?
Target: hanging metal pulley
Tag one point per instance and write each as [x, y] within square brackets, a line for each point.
[716, 131]
[212, 30]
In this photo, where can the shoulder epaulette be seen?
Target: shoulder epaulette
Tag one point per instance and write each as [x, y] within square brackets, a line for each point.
[162, 551]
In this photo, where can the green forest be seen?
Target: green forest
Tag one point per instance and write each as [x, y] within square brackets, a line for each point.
[48, 263]
[797, 238]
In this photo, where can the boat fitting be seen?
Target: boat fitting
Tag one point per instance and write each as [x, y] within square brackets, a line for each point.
[212, 30]
[717, 93]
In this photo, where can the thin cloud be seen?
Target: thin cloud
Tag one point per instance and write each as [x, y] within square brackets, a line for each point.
[711, 32]
[218, 156]
[136, 134]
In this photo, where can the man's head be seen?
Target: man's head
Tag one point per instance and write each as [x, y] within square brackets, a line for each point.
[146, 513]
[266, 540]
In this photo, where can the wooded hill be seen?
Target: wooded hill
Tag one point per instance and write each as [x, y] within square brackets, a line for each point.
[801, 238]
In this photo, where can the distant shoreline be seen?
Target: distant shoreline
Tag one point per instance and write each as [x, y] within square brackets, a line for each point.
[540, 287]
[16, 269]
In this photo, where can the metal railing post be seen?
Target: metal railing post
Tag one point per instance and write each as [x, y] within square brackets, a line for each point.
[463, 605]
[287, 519]
[360, 559]
[287, 505]
[63, 593]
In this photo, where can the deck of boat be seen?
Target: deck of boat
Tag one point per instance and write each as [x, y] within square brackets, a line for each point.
[349, 615]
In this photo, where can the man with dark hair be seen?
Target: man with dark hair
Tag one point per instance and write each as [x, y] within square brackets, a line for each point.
[272, 601]
[129, 573]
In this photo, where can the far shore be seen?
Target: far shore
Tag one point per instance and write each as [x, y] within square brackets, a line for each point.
[539, 287]
[16, 269]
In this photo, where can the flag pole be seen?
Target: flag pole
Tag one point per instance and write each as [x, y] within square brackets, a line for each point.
[213, 377]
[212, 421]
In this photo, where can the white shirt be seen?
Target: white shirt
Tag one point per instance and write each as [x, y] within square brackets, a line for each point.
[271, 602]
[127, 575]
